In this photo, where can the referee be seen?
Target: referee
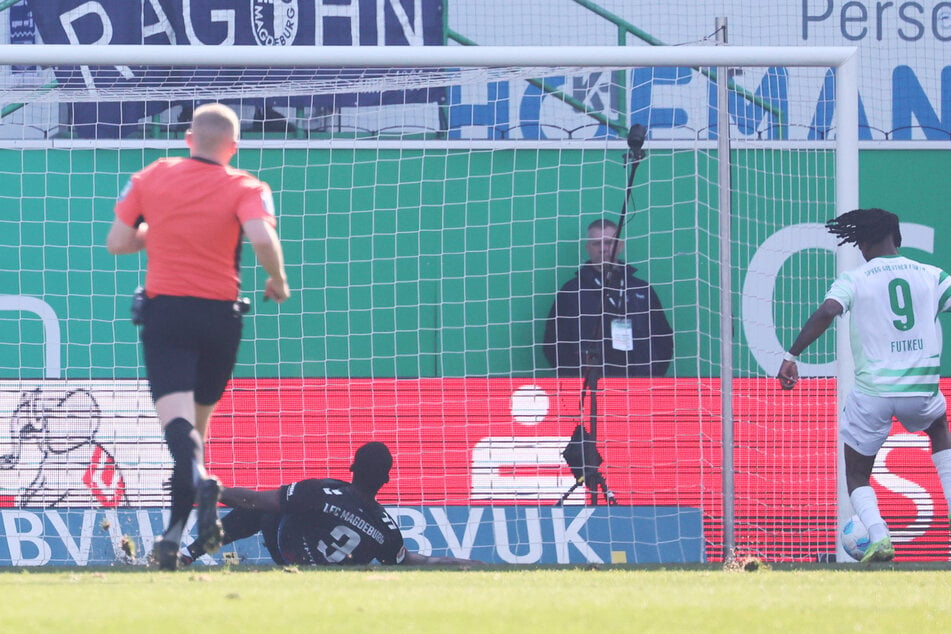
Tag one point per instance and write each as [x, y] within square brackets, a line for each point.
[189, 214]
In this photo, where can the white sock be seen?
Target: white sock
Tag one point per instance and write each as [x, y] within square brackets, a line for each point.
[865, 505]
[942, 462]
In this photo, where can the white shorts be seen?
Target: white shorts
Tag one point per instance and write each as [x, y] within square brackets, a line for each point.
[867, 420]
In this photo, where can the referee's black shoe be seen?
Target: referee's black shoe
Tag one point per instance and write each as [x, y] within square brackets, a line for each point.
[165, 554]
[210, 532]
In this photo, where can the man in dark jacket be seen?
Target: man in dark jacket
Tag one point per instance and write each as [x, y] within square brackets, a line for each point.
[607, 318]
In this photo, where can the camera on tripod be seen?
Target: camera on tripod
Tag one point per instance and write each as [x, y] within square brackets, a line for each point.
[584, 460]
[582, 453]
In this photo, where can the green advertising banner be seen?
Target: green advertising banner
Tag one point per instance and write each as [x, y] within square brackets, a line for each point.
[444, 262]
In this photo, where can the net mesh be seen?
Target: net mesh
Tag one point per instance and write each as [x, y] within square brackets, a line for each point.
[426, 236]
[148, 83]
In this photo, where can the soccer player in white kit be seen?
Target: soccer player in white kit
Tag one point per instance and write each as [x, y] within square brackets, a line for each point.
[896, 346]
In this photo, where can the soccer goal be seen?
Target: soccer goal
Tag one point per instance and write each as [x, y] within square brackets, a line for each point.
[431, 202]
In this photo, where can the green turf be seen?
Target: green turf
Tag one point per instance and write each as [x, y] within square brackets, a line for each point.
[856, 599]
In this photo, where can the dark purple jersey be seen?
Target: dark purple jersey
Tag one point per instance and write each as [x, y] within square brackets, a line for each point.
[325, 522]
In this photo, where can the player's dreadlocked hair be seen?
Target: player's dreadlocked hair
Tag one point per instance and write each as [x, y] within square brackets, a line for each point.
[868, 226]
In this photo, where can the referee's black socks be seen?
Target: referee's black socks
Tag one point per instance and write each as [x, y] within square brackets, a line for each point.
[188, 454]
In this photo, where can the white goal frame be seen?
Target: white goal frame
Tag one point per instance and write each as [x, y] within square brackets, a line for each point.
[842, 59]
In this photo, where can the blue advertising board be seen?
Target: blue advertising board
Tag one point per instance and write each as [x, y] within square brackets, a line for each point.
[225, 22]
[493, 535]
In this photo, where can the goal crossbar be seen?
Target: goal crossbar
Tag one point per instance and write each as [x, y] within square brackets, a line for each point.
[417, 56]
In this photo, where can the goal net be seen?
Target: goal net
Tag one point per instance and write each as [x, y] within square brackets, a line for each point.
[430, 210]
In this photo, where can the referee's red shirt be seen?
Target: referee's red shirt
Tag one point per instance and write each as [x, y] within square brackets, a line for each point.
[194, 209]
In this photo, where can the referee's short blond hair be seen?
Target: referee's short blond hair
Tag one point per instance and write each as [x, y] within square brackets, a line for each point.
[214, 125]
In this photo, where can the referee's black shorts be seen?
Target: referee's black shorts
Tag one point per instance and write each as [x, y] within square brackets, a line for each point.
[190, 345]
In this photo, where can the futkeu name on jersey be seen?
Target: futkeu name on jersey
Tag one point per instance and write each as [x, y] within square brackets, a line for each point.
[907, 345]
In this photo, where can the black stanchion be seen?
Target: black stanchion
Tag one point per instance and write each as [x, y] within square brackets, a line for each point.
[582, 453]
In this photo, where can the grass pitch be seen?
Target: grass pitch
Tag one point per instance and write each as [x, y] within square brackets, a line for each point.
[696, 600]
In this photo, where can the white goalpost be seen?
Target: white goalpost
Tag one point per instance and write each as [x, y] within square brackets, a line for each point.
[432, 201]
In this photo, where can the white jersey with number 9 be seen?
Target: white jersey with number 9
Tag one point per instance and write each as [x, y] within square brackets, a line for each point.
[896, 340]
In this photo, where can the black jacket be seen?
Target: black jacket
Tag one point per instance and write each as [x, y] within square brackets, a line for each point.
[574, 320]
